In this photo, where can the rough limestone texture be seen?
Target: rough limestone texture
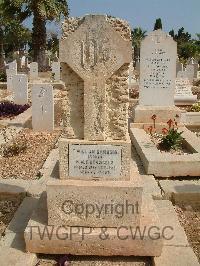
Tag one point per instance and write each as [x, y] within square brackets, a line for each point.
[95, 53]
[92, 241]
[75, 203]
[42, 107]
[124, 163]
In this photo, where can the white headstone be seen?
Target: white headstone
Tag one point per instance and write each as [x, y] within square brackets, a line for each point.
[183, 95]
[179, 66]
[13, 67]
[20, 89]
[157, 69]
[56, 70]
[190, 72]
[10, 73]
[42, 107]
[33, 70]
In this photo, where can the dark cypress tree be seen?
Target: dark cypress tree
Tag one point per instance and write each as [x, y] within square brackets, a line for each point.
[158, 24]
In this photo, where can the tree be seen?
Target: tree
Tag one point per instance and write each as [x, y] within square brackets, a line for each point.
[158, 24]
[137, 35]
[172, 33]
[42, 11]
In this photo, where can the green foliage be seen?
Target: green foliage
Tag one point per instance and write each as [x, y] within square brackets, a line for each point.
[195, 107]
[137, 34]
[173, 140]
[158, 24]
[3, 77]
[14, 148]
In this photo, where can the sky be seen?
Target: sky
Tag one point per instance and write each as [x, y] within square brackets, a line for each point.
[143, 13]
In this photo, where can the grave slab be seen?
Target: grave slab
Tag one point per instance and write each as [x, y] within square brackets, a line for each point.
[75, 203]
[120, 241]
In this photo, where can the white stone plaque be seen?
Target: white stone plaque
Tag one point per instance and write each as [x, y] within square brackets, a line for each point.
[94, 160]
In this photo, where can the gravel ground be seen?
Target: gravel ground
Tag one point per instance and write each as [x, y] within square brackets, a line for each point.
[27, 164]
[7, 209]
[93, 261]
[189, 217]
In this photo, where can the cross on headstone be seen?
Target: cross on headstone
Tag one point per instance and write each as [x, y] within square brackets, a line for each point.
[98, 51]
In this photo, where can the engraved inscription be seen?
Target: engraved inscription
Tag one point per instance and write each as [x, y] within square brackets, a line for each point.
[157, 66]
[94, 52]
[94, 160]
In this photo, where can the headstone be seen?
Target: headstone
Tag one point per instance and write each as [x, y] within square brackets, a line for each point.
[20, 89]
[157, 77]
[33, 70]
[183, 95]
[10, 73]
[179, 66]
[56, 70]
[190, 72]
[158, 69]
[42, 107]
[95, 54]
[198, 74]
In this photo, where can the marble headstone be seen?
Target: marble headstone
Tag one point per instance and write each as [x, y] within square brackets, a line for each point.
[157, 69]
[20, 89]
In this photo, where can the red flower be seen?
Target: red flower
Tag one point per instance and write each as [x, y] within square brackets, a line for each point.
[170, 123]
[164, 131]
[154, 117]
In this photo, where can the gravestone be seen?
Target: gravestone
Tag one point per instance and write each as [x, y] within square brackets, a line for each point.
[198, 74]
[179, 66]
[95, 151]
[10, 73]
[13, 67]
[56, 70]
[157, 78]
[190, 72]
[183, 94]
[20, 89]
[34, 70]
[42, 107]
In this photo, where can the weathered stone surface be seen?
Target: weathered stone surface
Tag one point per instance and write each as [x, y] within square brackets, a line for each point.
[42, 107]
[167, 164]
[124, 160]
[75, 203]
[143, 114]
[157, 69]
[95, 60]
[120, 241]
[179, 256]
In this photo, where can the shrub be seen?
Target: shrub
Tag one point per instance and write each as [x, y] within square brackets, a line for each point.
[3, 77]
[9, 109]
[195, 107]
[173, 140]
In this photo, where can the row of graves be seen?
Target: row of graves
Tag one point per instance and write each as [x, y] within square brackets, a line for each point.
[96, 202]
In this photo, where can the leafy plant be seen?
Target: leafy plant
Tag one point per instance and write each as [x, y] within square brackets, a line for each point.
[195, 107]
[173, 140]
[9, 109]
[3, 77]
[12, 146]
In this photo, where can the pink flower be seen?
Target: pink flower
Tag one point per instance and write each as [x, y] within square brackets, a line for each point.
[164, 131]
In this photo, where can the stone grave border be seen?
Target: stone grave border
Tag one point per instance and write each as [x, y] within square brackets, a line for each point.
[166, 165]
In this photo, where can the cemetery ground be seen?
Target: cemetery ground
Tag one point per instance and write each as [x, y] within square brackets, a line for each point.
[45, 154]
